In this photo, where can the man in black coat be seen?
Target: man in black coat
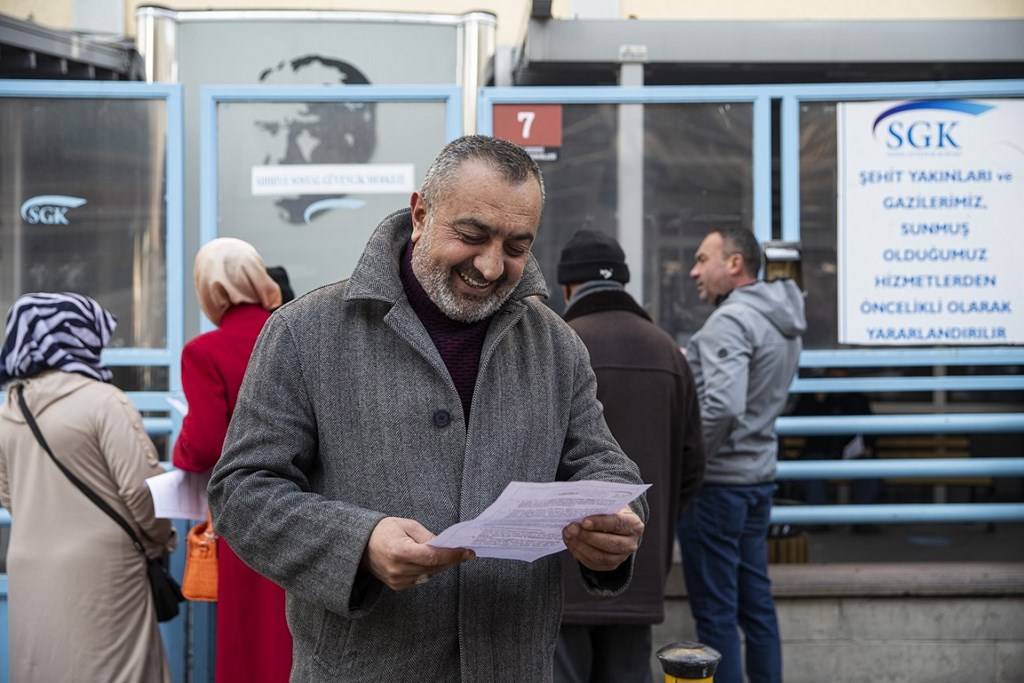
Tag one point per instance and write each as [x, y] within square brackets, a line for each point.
[650, 404]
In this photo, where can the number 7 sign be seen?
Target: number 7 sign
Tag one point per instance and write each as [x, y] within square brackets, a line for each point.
[529, 125]
[526, 118]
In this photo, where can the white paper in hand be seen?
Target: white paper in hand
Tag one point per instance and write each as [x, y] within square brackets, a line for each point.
[179, 494]
[178, 405]
[526, 521]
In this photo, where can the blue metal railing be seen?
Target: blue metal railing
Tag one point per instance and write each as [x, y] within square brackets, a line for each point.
[928, 423]
[898, 514]
[901, 468]
[906, 358]
[833, 385]
[791, 98]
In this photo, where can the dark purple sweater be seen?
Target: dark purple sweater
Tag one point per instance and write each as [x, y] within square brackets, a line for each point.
[458, 343]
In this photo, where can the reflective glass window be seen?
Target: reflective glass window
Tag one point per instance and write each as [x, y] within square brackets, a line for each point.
[581, 186]
[82, 184]
[698, 175]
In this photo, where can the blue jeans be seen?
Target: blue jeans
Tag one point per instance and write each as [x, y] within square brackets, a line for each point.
[723, 536]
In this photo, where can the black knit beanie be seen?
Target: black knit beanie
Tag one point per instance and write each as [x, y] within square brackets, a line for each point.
[592, 255]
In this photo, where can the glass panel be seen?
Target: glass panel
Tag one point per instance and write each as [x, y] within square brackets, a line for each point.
[818, 221]
[581, 186]
[82, 185]
[698, 175]
[318, 237]
[140, 378]
[162, 444]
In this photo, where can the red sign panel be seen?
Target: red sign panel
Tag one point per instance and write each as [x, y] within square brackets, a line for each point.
[529, 125]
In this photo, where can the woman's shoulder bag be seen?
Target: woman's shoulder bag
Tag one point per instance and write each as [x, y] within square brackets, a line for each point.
[165, 590]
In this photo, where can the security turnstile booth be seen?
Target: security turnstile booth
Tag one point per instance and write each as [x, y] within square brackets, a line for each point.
[90, 202]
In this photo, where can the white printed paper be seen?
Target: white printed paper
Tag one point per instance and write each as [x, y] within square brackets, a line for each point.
[526, 521]
[179, 494]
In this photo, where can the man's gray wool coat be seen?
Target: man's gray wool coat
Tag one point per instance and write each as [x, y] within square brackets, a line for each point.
[341, 421]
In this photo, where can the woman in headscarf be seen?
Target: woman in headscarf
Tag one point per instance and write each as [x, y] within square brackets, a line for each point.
[80, 606]
[236, 294]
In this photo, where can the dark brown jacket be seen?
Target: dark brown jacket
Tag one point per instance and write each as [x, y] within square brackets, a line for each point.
[650, 403]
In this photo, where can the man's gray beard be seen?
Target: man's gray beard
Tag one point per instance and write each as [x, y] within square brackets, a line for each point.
[435, 282]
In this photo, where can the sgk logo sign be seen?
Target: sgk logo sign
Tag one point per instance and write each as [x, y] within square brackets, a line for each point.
[920, 131]
[49, 209]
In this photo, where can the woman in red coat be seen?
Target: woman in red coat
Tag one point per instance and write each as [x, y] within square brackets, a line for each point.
[236, 294]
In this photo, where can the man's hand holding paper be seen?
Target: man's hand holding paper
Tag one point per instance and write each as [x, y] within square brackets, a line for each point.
[530, 520]
[603, 542]
[398, 555]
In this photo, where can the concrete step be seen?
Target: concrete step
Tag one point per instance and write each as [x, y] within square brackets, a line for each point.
[940, 622]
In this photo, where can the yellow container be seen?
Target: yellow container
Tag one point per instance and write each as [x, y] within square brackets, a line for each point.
[688, 662]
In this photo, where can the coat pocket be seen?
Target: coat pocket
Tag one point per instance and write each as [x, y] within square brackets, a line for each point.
[331, 639]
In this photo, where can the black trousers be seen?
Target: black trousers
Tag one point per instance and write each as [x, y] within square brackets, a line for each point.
[610, 653]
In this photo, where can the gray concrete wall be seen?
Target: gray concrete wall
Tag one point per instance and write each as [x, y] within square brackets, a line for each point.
[889, 623]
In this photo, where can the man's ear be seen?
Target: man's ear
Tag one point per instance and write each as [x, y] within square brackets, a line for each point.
[735, 265]
[418, 208]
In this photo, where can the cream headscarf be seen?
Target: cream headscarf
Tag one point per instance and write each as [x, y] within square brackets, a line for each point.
[230, 271]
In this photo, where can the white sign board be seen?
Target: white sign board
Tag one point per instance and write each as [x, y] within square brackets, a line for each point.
[931, 222]
[291, 179]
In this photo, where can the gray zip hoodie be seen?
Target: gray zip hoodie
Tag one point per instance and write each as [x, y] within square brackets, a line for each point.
[743, 361]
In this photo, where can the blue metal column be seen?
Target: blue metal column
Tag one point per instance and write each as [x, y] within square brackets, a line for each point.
[762, 161]
[789, 162]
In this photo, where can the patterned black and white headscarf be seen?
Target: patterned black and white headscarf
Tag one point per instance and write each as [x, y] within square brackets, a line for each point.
[55, 332]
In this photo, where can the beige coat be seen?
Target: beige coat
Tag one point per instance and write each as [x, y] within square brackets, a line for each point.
[79, 602]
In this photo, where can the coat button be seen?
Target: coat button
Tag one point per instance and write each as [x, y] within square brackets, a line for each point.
[442, 418]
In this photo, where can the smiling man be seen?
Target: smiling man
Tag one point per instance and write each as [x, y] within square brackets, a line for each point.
[380, 410]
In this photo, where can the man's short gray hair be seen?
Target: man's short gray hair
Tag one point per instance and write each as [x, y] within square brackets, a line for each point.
[511, 161]
[741, 241]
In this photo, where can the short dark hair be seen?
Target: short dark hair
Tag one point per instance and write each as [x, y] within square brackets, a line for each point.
[511, 161]
[741, 241]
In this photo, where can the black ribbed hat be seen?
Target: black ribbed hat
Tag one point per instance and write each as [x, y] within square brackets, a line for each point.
[592, 255]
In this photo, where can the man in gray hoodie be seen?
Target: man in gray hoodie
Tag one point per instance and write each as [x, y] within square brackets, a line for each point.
[743, 360]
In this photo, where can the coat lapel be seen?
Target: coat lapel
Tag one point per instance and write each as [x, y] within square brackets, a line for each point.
[406, 324]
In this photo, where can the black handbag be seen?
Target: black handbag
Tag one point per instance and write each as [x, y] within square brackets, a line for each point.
[166, 591]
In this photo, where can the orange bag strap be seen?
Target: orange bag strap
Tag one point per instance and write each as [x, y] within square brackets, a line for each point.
[209, 533]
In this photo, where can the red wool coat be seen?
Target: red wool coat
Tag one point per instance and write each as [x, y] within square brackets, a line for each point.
[253, 642]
